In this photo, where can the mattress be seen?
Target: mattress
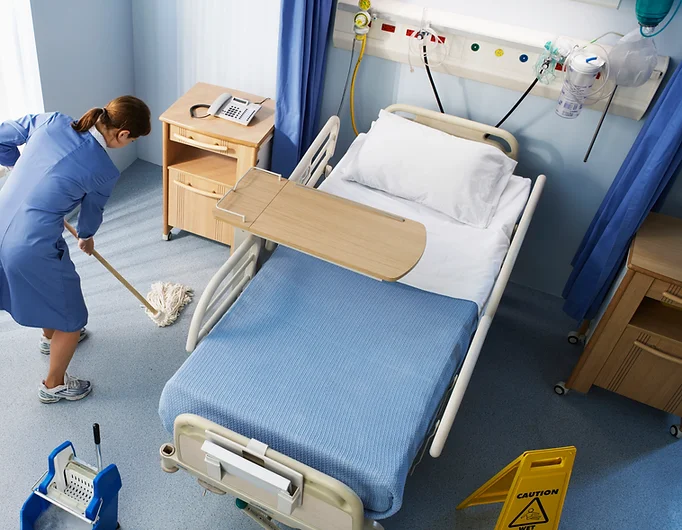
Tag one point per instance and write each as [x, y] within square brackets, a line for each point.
[459, 261]
[337, 370]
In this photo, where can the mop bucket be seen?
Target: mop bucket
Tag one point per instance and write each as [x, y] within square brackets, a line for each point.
[77, 488]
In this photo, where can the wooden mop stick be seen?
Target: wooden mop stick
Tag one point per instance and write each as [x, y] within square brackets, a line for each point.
[115, 273]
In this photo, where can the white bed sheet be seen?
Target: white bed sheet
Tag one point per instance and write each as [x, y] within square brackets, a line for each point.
[459, 261]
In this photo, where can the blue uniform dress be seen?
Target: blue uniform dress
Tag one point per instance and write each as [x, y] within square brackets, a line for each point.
[58, 169]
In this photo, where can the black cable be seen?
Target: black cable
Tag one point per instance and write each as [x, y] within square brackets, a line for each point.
[345, 86]
[193, 108]
[433, 85]
[532, 85]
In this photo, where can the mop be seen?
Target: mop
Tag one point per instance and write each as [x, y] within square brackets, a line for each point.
[163, 303]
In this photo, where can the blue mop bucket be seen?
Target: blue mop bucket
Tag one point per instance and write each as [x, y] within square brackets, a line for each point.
[77, 488]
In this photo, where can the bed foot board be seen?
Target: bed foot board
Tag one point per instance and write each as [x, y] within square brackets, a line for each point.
[269, 486]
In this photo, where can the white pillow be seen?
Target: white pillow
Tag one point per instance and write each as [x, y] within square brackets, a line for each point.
[460, 178]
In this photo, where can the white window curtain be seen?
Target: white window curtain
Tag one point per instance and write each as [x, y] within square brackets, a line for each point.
[20, 90]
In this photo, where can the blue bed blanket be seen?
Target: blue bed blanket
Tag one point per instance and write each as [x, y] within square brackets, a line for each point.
[339, 371]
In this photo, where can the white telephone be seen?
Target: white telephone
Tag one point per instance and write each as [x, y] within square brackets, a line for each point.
[233, 109]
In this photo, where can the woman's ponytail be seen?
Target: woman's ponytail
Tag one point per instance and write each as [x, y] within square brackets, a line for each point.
[126, 113]
[88, 120]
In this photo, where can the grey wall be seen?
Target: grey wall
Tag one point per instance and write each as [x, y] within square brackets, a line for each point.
[85, 55]
[549, 144]
[181, 42]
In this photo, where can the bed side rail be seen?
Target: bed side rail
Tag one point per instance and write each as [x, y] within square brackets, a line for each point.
[455, 400]
[314, 162]
[239, 269]
[273, 485]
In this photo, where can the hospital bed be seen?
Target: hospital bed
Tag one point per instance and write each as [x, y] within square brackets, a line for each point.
[312, 391]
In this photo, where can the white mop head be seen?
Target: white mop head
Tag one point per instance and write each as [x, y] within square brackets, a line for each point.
[168, 299]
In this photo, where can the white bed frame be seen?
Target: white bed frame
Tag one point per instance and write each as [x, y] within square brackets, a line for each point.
[274, 485]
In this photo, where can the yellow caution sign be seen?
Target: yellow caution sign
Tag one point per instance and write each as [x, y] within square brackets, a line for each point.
[533, 488]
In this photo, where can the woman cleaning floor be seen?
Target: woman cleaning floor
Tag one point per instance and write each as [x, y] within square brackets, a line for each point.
[63, 164]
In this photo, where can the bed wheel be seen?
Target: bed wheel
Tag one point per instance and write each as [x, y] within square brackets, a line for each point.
[560, 389]
[575, 337]
[168, 236]
[676, 431]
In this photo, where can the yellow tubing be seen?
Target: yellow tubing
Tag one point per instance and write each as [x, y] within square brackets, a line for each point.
[362, 38]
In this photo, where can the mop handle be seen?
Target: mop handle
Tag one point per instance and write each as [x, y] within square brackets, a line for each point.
[115, 273]
[95, 432]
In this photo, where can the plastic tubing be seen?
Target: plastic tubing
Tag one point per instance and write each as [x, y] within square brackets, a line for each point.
[363, 39]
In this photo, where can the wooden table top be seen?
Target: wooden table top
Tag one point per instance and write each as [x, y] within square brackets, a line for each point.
[331, 228]
[657, 249]
[252, 135]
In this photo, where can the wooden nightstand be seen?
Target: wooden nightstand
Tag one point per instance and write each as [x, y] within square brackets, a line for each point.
[636, 347]
[203, 158]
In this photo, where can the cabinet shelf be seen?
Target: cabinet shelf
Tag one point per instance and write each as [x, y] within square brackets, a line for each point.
[659, 319]
[218, 168]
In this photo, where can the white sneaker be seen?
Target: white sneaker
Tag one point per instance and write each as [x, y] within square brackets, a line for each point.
[73, 389]
[44, 343]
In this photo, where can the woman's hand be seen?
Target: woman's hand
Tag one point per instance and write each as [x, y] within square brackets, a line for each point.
[87, 245]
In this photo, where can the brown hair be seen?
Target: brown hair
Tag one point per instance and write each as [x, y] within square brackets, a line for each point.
[126, 113]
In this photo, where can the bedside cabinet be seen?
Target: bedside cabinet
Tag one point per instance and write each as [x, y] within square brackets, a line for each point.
[204, 157]
[636, 347]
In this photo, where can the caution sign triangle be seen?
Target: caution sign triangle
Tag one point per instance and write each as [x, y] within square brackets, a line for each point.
[532, 514]
[533, 488]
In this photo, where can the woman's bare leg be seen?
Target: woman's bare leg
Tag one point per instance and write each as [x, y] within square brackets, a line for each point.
[62, 349]
[48, 333]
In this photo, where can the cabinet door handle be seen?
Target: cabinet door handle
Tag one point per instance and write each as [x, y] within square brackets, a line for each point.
[671, 296]
[189, 187]
[658, 353]
[197, 143]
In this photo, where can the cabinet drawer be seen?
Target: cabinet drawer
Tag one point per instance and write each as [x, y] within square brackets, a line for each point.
[191, 201]
[668, 293]
[647, 368]
[202, 141]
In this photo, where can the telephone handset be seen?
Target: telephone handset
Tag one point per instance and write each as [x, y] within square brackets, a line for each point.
[233, 109]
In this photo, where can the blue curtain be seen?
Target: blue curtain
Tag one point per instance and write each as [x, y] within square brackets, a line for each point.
[303, 36]
[640, 186]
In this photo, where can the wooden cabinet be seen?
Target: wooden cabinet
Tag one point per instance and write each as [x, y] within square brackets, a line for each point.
[636, 347]
[204, 157]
